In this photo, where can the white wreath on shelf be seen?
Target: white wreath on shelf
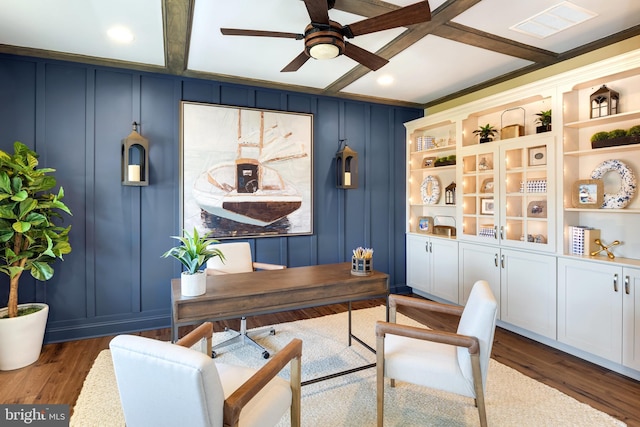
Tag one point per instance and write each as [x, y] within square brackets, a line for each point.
[430, 190]
[627, 188]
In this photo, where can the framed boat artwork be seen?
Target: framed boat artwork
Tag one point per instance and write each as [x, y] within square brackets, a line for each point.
[245, 172]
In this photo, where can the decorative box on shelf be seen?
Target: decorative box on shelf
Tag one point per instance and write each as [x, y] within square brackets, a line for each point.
[615, 142]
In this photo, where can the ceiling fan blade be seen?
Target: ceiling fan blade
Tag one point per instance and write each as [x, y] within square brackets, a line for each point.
[366, 58]
[258, 33]
[413, 14]
[318, 11]
[296, 63]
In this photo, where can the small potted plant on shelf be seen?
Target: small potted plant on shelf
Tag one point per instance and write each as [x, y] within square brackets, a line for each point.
[486, 133]
[544, 120]
[29, 241]
[193, 253]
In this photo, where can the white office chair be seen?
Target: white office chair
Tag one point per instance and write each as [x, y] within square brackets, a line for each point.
[238, 259]
[165, 384]
[453, 362]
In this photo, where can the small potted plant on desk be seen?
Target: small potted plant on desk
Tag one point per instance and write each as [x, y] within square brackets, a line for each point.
[29, 241]
[193, 253]
[544, 120]
[486, 133]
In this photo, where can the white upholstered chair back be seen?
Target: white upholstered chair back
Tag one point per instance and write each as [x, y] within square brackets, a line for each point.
[478, 320]
[163, 384]
[237, 256]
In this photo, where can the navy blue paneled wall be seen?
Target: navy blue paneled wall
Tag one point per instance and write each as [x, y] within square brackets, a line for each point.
[114, 281]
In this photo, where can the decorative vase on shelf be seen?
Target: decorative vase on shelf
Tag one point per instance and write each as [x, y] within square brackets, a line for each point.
[193, 285]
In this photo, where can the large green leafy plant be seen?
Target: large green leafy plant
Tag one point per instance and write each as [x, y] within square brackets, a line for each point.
[29, 239]
[195, 250]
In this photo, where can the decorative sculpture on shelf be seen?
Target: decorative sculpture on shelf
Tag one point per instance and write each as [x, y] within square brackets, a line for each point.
[605, 248]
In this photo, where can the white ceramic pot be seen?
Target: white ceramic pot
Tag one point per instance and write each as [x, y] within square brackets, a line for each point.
[21, 337]
[192, 285]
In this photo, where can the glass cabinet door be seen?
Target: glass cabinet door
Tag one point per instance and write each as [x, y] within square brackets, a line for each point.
[479, 189]
[507, 193]
[527, 194]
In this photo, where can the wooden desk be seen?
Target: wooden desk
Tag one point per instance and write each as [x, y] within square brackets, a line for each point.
[232, 296]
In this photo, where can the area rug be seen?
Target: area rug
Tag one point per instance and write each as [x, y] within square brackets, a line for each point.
[512, 399]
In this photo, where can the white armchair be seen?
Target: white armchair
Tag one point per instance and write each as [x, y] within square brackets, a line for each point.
[164, 384]
[238, 259]
[453, 362]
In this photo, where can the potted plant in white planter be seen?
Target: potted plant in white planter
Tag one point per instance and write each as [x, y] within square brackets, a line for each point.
[30, 241]
[194, 253]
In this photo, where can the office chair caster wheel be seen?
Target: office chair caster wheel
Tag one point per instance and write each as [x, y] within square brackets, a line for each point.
[214, 354]
[272, 332]
[265, 354]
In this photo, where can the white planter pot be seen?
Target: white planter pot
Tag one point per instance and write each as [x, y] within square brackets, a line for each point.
[192, 285]
[21, 337]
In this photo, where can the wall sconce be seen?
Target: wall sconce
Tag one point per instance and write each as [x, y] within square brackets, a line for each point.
[604, 102]
[346, 167]
[450, 194]
[135, 159]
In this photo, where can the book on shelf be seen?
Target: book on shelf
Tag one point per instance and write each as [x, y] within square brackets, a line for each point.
[583, 239]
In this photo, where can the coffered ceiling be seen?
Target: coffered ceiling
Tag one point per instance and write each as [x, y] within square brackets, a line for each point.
[467, 45]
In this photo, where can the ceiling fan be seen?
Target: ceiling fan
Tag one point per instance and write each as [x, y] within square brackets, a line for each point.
[325, 39]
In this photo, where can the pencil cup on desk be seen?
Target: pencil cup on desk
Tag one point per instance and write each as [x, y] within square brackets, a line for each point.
[362, 262]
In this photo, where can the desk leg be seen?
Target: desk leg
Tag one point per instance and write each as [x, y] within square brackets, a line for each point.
[174, 330]
[350, 334]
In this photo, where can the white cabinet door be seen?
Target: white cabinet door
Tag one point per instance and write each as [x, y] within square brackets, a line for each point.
[432, 266]
[478, 262]
[631, 320]
[528, 291]
[590, 307]
[418, 260]
[444, 268]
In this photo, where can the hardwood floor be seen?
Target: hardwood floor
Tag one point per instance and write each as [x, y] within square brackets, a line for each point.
[58, 375]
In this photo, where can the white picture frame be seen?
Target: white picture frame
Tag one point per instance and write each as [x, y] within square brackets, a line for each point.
[538, 156]
[487, 206]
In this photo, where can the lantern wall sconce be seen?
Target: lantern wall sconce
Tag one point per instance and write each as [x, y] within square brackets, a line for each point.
[135, 159]
[604, 102]
[450, 194]
[346, 167]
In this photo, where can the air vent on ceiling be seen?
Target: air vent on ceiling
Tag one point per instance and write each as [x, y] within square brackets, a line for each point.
[553, 20]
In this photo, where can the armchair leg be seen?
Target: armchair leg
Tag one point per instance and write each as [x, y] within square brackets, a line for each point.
[380, 379]
[296, 377]
[479, 389]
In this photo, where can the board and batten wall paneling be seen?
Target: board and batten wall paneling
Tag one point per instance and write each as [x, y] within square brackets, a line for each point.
[115, 281]
[63, 148]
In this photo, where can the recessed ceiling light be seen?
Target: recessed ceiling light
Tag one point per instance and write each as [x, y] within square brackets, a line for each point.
[120, 34]
[385, 80]
[553, 20]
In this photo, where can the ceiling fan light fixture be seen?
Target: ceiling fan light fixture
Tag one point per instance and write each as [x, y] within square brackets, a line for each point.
[324, 51]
